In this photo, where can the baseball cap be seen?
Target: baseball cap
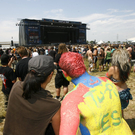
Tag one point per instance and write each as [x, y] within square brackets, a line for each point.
[4, 59]
[95, 47]
[41, 64]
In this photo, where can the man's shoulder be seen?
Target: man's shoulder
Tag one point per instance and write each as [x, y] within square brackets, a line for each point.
[46, 96]
[23, 60]
[6, 68]
[52, 52]
[89, 51]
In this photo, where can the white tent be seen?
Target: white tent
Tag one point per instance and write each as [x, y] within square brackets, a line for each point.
[100, 42]
[131, 39]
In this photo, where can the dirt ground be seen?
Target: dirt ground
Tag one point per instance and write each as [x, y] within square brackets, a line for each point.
[129, 112]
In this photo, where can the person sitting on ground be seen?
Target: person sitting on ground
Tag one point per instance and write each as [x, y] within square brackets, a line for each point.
[93, 105]
[7, 75]
[119, 73]
[31, 107]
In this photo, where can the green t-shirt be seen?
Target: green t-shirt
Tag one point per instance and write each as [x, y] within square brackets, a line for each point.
[108, 55]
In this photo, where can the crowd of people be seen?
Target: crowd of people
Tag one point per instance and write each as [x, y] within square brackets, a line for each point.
[26, 71]
[100, 55]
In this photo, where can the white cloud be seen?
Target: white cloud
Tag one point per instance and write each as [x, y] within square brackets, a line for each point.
[132, 39]
[107, 27]
[8, 30]
[102, 26]
[132, 14]
[120, 11]
[92, 17]
[54, 14]
[127, 11]
[112, 10]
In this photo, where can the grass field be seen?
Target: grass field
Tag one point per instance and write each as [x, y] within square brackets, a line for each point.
[129, 112]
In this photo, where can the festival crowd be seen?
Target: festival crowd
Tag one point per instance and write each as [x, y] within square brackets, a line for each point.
[95, 105]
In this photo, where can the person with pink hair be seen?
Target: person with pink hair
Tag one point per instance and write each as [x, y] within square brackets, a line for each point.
[93, 105]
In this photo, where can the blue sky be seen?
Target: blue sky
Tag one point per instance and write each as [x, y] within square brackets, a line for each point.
[108, 20]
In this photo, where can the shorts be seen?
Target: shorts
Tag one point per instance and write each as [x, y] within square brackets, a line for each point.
[90, 62]
[84, 55]
[60, 80]
[104, 61]
[125, 95]
[101, 62]
[95, 59]
[108, 61]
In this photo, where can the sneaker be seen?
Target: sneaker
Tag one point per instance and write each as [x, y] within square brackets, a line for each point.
[92, 70]
[57, 98]
[89, 72]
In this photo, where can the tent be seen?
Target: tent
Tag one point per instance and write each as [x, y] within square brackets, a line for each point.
[100, 42]
[131, 39]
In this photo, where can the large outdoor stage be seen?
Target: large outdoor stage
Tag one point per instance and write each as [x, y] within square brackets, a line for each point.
[48, 31]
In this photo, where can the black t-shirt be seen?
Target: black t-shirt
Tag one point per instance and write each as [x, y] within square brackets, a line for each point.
[57, 58]
[7, 75]
[22, 68]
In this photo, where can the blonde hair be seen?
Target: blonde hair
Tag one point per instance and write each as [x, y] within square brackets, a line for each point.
[120, 59]
[34, 50]
[12, 51]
